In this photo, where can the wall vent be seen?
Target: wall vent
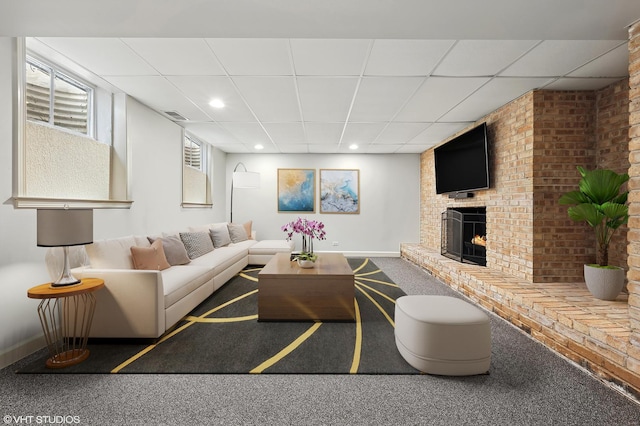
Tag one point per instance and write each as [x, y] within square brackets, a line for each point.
[175, 116]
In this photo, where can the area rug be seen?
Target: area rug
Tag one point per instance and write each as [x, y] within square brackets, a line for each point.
[223, 335]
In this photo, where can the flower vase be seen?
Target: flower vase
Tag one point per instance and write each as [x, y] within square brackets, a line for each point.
[306, 264]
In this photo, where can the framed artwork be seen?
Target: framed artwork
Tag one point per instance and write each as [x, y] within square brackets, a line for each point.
[297, 190]
[340, 191]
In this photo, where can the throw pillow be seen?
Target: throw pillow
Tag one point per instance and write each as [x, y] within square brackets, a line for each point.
[247, 228]
[196, 243]
[220, 235]
[150, 258]
[173, 249]
[237, 233]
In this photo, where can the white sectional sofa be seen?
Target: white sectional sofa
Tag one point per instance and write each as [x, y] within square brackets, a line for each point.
[144, 296]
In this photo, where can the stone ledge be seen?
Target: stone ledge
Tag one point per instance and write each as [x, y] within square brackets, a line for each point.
[593, 333]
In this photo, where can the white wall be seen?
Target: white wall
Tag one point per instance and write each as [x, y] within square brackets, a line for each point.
[389, 197]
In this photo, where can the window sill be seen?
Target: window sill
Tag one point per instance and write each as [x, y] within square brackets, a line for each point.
[188, 205]
[51, 203]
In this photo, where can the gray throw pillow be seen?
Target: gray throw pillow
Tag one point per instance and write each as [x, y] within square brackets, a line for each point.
[196, 243]
[220, 235]
[237, 233]
[174, 249]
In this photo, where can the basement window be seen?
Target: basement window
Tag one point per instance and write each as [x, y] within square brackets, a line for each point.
[193, 153]
[196, 173]
[54, 97]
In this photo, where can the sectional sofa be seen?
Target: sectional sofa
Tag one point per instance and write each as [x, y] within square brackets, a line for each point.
[151, 282]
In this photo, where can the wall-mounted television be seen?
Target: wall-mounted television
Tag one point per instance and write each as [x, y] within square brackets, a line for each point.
[462, 164]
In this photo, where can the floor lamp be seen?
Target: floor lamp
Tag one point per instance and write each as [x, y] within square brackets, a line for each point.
[64, 228]
[243, 179]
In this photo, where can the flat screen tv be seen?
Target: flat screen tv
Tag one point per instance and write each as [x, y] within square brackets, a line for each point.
[462, 164]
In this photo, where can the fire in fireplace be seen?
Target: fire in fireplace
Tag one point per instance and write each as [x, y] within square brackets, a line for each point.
[463, 236]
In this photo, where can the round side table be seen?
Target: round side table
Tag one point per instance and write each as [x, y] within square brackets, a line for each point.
[66, 314]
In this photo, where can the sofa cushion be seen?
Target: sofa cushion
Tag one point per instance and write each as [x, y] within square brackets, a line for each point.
[196, 243]
[150, 258]
[179, 281]
[174, 249]
[222, 258]
[220, 235]
[271, 247]
[237, 233]
[114, 253]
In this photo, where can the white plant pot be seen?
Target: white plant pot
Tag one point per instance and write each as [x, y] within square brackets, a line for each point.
[306, 264]
[604, 283]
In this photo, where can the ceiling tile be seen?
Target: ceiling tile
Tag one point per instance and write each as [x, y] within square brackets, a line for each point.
[248, 133]
[324, 133]
[271, 98]
[361, 133]
[438, 132]
[405, 57]
[413, 149]
[612, 64]
[491, 96]
[286, 133]
[202, 89]
[159, 94]
[482, 57]
[329, 56]
[241, 56]
[326, 98]
[558, 57]
[298, 148]
[576, 83]
[211, 133]
[382, 149]
[400, 133]
[323, 148]
[177, 56]
[103, 56]
[380, 98]
[437, 96]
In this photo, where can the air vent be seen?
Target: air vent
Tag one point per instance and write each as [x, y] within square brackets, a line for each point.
[175, 116]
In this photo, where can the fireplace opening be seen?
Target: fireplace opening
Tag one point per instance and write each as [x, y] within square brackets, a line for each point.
[464, 234]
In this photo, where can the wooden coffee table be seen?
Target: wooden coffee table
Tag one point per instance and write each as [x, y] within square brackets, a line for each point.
[325, 292]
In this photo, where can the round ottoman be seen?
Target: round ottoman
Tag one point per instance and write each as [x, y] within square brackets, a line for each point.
[443, 335]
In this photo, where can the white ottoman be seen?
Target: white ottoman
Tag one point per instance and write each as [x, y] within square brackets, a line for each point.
[261, 252]
[443, 335]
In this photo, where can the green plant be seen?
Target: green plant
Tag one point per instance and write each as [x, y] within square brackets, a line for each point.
[307, 256]
[600, 203]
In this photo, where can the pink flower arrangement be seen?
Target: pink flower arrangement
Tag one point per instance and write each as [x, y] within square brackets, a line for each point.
[309, 229]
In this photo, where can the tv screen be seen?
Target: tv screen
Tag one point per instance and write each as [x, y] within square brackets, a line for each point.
[462, 164]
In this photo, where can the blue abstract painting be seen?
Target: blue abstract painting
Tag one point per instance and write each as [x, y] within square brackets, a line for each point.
[296, 190]
[339, 191]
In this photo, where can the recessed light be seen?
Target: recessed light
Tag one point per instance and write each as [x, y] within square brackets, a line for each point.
[217, 103]
[353, 146]
[259, 147]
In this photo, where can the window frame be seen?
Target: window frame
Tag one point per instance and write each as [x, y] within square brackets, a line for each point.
[68, 77]
[205, 161]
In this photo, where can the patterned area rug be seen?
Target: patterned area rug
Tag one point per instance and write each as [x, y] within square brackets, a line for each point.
[223, 335]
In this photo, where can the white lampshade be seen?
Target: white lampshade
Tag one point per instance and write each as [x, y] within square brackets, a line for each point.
[64, 227]
[246, 180]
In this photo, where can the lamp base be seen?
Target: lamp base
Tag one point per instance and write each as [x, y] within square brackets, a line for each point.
[66, 281]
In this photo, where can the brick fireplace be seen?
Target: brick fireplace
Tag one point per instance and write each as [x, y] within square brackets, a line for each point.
[532, 248]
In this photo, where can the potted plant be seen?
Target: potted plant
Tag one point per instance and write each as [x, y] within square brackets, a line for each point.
[309, 229]
[600, 202]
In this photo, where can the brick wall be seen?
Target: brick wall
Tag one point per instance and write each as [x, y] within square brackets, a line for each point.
[633, 248]
[612, 148]
[536, 143]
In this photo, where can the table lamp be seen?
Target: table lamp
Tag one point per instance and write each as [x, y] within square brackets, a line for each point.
[64, 228]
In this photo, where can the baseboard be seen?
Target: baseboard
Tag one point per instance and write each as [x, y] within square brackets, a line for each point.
[365, 253]
[21, 350]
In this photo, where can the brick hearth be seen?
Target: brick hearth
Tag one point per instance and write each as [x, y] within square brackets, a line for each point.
[564, 317]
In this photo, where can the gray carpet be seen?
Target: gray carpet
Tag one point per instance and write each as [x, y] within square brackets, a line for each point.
[528, 385]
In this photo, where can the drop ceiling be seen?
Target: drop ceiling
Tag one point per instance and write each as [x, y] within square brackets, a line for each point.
[318, 91]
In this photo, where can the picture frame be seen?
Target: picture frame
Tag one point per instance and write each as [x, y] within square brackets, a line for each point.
[340, 191]
[297, 190]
